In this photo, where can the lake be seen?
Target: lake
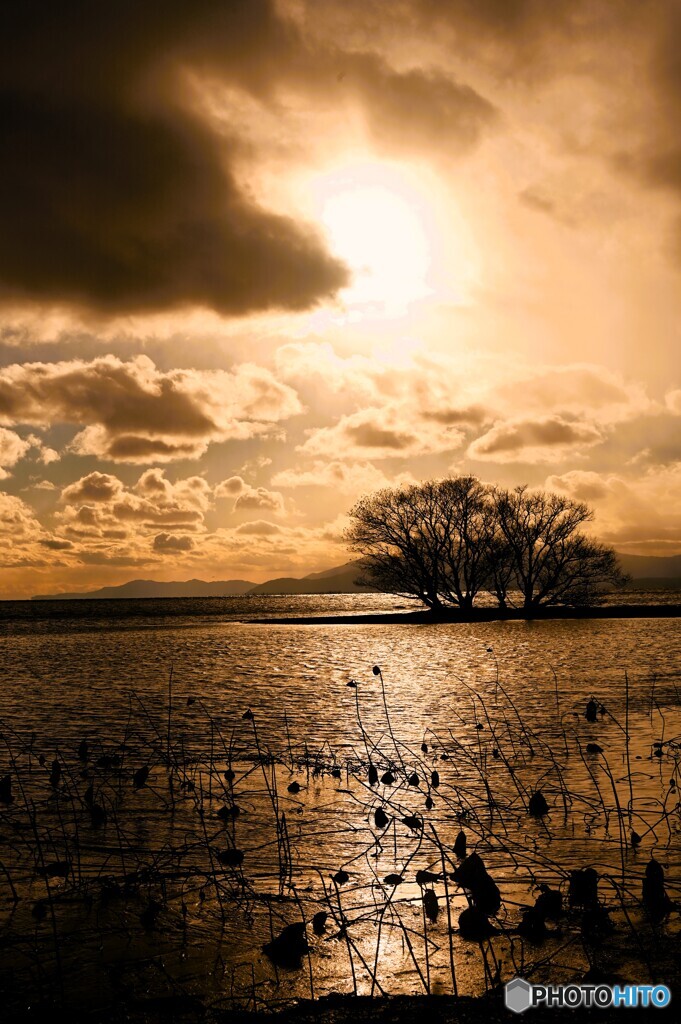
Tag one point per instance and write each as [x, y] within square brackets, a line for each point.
[189, 691]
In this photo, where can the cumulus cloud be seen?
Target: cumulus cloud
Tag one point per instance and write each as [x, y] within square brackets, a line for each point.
[426, 404]
[12, 448]
[95, 487]
[193, 491]
[172, 542]
[673, 401]
[637, 513]
[231, 488]
[20, 533]
[581, 484]
[258, 528]
[310, 360]
[131, 411]
[271, 549]
[247, 497]
[47, 455]
[431, 383]
[381, 433]
[441, 388]
[549, 439]
[574, 389]
[260, 498]
[101, 521]
[347, 477]
[99, 505]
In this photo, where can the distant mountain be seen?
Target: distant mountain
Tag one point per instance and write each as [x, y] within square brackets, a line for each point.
[651, 566]
[339, 580]
[338, 570]
[649, 572]
[151, 588]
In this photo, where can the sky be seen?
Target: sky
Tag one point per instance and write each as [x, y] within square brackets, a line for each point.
[261, 257]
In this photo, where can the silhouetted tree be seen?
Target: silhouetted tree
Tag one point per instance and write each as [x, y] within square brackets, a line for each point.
[550, 559]
[445, 541]
[399, 533]
[428, 540]
[500, 566]
[468, 525]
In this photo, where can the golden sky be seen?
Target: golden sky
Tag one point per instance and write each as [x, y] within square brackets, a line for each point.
[259, 257]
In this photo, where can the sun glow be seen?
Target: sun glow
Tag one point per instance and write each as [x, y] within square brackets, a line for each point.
[378, 223]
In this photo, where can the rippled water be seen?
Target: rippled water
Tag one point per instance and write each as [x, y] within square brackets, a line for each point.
[465, 691]
[63, 679]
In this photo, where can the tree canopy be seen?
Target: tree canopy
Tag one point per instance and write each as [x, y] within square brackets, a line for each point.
[446, 541]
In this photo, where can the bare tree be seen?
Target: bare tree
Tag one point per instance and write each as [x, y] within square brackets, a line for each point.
[551, 561]
[499, 565]
[443, 542]
[427, 540]
[579, 572]
[468, 526]
[398, 533]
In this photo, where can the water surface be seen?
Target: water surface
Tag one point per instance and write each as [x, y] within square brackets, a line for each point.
[495, 709]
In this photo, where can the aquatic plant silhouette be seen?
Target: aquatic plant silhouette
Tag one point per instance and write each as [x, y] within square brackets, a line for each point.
[6, 790]
[654, 894]
[289, 947]
[240, 848]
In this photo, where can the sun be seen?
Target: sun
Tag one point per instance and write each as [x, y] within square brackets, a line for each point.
[377, 222]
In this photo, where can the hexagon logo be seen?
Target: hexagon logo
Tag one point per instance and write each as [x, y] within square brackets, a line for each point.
[518, 995]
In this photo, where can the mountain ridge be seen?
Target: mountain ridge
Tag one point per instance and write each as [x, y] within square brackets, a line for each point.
[134, 589]
[649, 571]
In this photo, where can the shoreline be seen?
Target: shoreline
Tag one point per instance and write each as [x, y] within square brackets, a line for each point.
[430, 618]
[337, 1008]
[438, 1009]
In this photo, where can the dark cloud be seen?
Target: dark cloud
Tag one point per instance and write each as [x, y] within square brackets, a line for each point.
[666, 71]
[386, 432]
[415, 109]
[653, 156]
[121, 395]
[516, 37]
[519, 21]
[171, 542]
[57, 545]
[259, 528]
[369, 435]
[471, 415]
[534, 440]
[115, 192]
[129, 448]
